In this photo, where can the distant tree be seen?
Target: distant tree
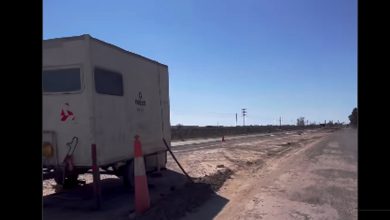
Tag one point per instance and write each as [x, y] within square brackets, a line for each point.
[301, 121]
[353, 117]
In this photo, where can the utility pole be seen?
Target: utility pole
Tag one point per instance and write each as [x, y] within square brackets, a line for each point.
[243, 115]
[236, 119]
[280, 122]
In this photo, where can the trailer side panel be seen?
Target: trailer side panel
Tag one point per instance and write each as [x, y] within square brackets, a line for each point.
[138, 110]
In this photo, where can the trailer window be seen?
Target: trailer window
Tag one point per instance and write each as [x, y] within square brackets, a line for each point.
[61, 80]
[108, 82]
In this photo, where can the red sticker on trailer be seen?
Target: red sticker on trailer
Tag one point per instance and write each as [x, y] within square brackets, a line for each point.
[66, 113]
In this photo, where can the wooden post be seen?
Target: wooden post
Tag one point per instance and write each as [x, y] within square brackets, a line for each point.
[96, 178]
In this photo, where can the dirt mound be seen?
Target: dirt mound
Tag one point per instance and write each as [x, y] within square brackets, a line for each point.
[216, 180]
[175, 205]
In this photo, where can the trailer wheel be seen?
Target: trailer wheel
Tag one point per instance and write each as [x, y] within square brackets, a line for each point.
[128, 174]
[69, 180]
[59, 177]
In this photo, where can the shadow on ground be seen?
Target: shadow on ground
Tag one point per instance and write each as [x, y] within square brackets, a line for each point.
[171, 198]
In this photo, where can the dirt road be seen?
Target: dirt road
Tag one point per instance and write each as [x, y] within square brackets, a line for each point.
[314, 178]
[283, 175]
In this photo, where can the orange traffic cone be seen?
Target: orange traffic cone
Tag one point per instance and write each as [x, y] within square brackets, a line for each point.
[142, 200]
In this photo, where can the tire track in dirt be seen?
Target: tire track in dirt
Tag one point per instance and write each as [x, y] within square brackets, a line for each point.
[241, 195]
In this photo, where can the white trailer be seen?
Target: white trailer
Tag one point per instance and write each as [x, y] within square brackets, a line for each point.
[97, 94]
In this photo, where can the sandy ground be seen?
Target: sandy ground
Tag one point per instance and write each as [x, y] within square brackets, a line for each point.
[237, 154]
[50, 186]
[315, 178]
[193, 149]
[284, 175]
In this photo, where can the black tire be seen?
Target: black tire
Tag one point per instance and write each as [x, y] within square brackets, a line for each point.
[70, 178]
[59, 176]
[128, 174]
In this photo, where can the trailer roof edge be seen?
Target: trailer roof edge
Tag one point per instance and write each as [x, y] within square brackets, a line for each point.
[108, 44]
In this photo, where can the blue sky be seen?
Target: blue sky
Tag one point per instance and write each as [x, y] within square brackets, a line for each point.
[273, 57]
